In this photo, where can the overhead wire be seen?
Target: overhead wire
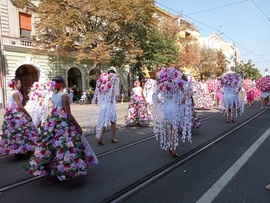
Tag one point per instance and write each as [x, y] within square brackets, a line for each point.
[261, 10]
[211, 9]
[218, 30]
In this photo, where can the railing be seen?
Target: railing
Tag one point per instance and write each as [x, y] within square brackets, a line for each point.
[25, 42]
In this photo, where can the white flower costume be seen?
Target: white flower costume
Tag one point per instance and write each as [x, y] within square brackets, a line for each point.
[230, 86]
[39, 110]
[148, 91]
[171, 109]
[105, 96]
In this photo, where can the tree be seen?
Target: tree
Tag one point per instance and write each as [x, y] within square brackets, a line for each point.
[92, 30]
[247, 70]
[221, 64]
[212, 63]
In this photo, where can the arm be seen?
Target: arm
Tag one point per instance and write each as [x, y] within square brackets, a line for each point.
[65, 101]
[143, 95]
[16, 97]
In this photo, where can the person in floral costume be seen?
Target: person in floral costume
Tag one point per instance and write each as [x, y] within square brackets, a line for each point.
[172, 113]
[39, 102]
[204, 100]
[195, 122]
[263, 84]
[106, 93]
[62, 150]
[230, 86]
[148, 91]
[137, 110]
[19, 132]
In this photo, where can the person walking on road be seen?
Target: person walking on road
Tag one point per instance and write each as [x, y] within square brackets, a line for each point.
[137, 110]
[172, 109]
[62, 150]
[230, 86]
[39, 102]
[263, 84]
[19, 132]
[106, 92]
[148, 91]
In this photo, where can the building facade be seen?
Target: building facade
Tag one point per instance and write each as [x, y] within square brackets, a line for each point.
[18, 60]
[230, 50]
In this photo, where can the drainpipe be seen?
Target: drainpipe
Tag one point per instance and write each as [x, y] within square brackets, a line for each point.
[2, 70]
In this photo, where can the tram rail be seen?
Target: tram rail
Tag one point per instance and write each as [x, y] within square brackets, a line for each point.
[152, 177]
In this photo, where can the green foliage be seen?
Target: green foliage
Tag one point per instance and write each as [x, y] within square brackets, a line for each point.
[247, 70]
[93, 30]
[212, 64]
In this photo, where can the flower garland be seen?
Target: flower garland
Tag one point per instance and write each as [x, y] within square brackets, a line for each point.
[170, 79]
[104, 82]
[230, 80]
[263, 84]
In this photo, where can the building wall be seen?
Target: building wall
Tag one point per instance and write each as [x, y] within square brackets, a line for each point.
[17, 51]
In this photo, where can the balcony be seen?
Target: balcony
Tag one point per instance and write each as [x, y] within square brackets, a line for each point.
[17, 42]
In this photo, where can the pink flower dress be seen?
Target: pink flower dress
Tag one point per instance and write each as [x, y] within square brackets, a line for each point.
[204, 100]
[19, 132]
[137, 110]
[61, 150]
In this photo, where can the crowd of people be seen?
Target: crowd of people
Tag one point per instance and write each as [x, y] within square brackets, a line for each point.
[54, 140]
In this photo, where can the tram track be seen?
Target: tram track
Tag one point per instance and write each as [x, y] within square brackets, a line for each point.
[156, 175]
[36, 178]
[149, 179]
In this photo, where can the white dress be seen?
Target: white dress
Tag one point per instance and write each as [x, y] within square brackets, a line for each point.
[102, 115]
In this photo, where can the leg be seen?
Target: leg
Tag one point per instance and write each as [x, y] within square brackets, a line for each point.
[171, 149]
[100, 138]
[233, 114]
[228, 115]
[113, 129]
[263, 102]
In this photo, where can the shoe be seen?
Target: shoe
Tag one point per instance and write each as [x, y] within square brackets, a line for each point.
[262, 107]
[227, 120]
[174, 154]
[267, 187]
[170, 151]
[114, 140]
[233, 121]
[100, 142]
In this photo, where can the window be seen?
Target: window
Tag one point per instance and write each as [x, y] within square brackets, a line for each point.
[25, 25]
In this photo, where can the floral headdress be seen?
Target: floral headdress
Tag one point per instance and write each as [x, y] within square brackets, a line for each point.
[10, 84]
[212, 85]
[263, 84]
[170, 80]
[230, 80]
[39, 90]
[149, 84]
[105, 82]
[247, 84]
[136, 83]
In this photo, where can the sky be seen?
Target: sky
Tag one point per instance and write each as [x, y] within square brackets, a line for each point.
[244, 22]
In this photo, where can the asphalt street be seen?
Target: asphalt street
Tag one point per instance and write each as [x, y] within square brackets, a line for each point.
[234, 169]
